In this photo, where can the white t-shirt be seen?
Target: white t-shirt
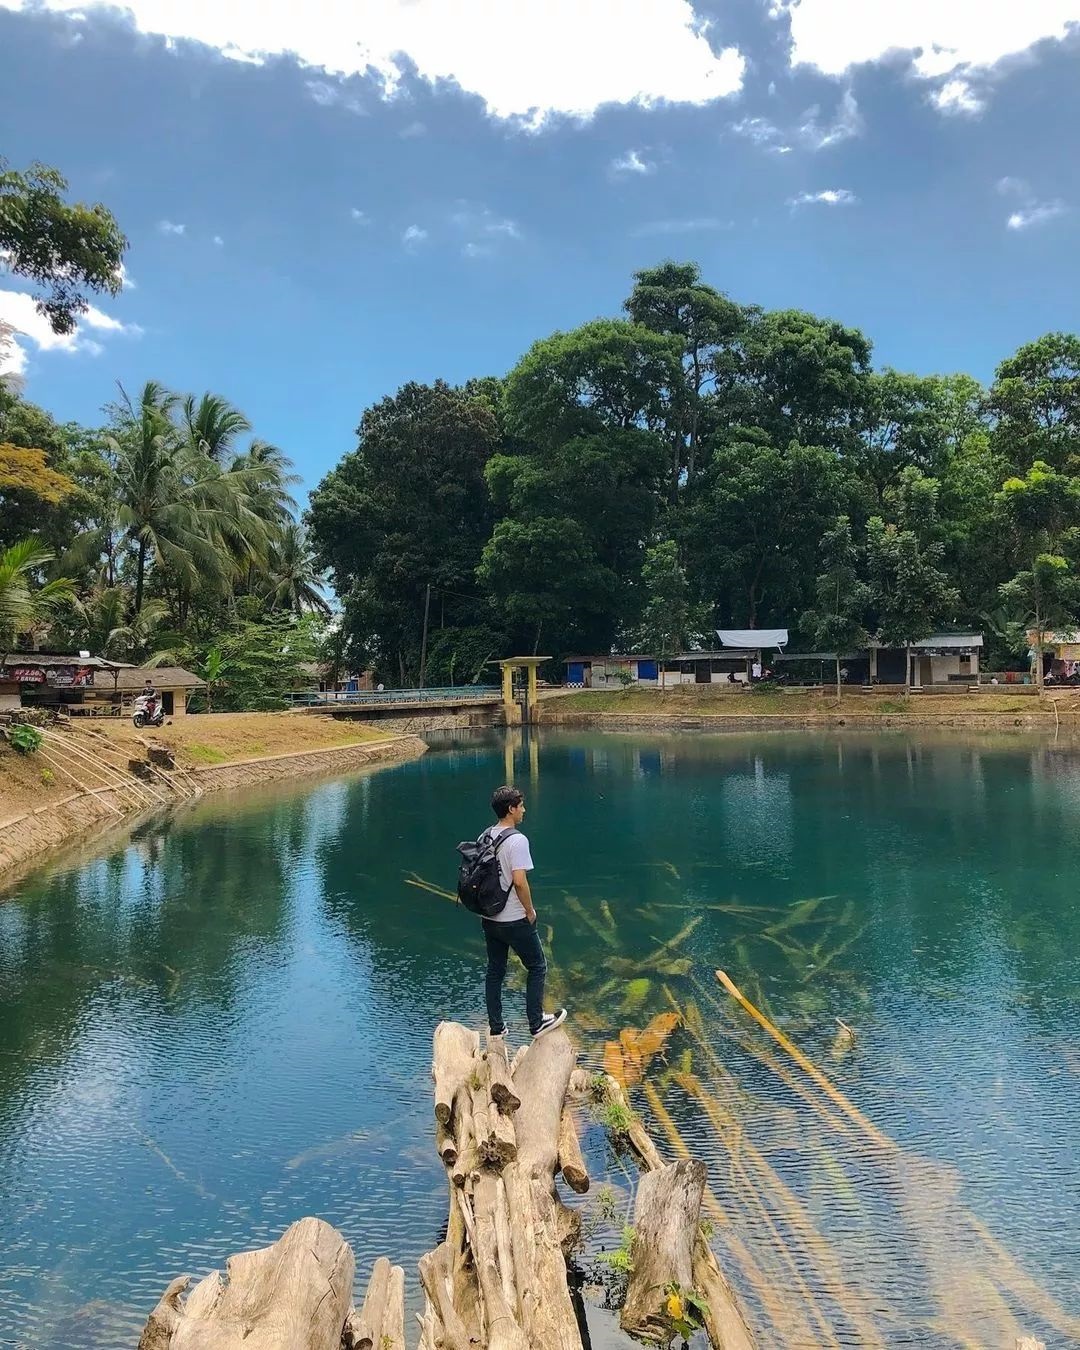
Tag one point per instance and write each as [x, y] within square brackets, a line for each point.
[514, 856]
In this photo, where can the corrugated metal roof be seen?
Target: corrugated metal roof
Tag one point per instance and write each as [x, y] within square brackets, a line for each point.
[50, 660]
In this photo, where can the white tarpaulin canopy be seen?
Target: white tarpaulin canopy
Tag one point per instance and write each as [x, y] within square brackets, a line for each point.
[750, 639]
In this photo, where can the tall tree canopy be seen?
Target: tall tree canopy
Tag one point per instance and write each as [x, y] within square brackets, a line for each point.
[408, 509]
[65, 249]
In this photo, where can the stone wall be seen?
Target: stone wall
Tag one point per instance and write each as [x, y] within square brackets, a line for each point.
[337, 759]
[824, 721]
[83, 815]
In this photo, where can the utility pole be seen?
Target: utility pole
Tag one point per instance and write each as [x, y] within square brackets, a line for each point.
[423, 640]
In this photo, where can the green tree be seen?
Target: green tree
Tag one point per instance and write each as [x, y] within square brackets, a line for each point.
[837, 622]
[915, 421]
[752, 532]
[1036, 399]
[673, 300]
[25, 605]
[1042, 510]
[406, 509]
[65, 249]
[608, 375]
[255, 666]
[803, 379]
[292, 575]
[910, 594]
[670, 621]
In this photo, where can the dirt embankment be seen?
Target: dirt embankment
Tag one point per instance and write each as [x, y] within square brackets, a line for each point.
[80, 781]
[808, 708]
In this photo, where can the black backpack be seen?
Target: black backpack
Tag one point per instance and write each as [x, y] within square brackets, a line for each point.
[479, 886]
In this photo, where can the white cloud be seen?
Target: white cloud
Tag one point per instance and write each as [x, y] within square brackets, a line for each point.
[811, 131]
[826, 197]
[413, 131]
[1031, 211]
[847, 123]
[126, 280]
[632, 162]
[218, 241]
[526, 59]
[758, 129]
[482, 228]
[958, 98]
[167, 227]
[1038, 213]
[12, 358]
[1013, 187]
[413, 236]
[688, 226]
[947, 40]
[328, 95]
[19, 315]
[360, 217]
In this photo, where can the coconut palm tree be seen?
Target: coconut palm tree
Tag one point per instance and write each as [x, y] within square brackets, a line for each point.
[22, 605]
[168, 495]
[212, 424]
[102, 622]
[293, 579]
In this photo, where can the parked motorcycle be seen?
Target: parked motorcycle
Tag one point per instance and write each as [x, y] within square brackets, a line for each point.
[144, 717]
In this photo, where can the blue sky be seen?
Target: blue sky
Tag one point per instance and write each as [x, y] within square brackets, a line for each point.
[327, 199]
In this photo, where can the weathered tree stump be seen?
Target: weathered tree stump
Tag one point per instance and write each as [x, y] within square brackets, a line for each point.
[294, 1295]
[667, 1215]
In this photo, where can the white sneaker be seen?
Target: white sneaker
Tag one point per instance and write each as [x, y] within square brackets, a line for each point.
[550, 1022]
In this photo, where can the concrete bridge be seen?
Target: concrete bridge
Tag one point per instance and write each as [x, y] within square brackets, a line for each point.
[365, 702]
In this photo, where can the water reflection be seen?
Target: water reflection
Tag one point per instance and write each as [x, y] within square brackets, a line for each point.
[225, 1022]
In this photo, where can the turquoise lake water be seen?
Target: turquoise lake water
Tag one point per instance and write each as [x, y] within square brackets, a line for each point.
[222, 1021]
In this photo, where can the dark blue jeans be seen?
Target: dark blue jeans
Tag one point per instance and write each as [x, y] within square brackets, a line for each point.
[521, 937]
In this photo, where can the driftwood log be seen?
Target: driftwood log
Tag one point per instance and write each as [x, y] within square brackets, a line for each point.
[380, 1323]
[667, 1217]
[502, 1270]
[294, 1295]
[499, 1279]
[571, 1162]
[724, 1322]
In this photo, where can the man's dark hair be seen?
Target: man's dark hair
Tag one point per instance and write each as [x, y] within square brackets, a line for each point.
[504, 799]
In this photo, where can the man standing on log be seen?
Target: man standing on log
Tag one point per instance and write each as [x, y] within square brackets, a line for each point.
[514, 927]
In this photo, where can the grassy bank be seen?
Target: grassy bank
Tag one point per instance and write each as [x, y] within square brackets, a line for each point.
[713, 701]
[29, 781]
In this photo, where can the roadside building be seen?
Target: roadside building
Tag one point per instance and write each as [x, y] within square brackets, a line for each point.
[88, 685]
[1061, 654]
[611, 672]
[940, 659]
[174, 684]
[742, 655]
[53, 679]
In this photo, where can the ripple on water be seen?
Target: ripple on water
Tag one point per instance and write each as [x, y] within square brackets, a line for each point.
[213, 1031]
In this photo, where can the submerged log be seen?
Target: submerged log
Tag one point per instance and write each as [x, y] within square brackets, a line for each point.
[293, 1295]
[667, 1215]
[571, 1162]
